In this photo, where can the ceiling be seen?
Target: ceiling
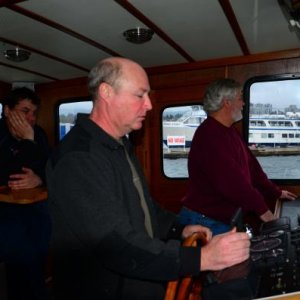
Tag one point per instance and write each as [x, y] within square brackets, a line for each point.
[67, 37]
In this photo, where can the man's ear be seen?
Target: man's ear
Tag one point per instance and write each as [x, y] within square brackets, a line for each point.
[226, 103]
[105, 90]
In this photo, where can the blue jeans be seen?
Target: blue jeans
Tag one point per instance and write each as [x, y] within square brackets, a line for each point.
[189, 217]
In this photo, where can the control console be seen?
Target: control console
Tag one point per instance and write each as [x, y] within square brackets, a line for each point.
[273, 267]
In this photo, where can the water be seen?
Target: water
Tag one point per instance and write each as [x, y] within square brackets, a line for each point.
[281, 167]
[276, 167]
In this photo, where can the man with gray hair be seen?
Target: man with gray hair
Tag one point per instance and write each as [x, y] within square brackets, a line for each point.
[223, 173]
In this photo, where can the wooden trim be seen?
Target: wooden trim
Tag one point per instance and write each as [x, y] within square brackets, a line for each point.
[64, 83]
[229, 13]
[28, 71]
[235, 60]
[10, 2]
[23, 46]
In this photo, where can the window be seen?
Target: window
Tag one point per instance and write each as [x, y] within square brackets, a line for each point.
[67, 114]
[179, 124]
[275, 101]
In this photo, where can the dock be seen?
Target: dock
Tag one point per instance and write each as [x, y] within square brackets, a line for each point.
[176, 154]
[285, 151]
[277, 151]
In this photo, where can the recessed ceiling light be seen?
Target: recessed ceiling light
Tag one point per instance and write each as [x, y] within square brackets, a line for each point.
[17, 55]
[138, 35]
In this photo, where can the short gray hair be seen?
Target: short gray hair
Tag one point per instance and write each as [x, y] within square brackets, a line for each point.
[217, 91]
[104, 71]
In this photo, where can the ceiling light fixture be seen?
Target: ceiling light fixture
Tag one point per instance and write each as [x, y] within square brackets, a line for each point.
[138, 35]
[17, 55]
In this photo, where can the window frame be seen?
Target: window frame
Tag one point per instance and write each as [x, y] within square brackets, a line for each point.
[56, 113]
[246, 111]
[177, 105]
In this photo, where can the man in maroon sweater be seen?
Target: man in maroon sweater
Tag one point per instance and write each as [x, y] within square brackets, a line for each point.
[223, 173]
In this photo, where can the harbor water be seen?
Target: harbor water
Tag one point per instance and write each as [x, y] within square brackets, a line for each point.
[276, 167]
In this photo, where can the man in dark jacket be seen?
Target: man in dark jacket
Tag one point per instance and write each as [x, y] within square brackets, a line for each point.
[110, 239]
[24, 229]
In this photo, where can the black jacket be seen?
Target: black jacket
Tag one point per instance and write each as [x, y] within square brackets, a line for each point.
[100, 244]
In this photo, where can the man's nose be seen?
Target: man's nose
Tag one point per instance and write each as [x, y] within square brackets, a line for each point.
[148, 103]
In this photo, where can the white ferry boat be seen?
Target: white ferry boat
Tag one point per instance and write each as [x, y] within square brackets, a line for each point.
[180, 132]
[274, 130]
[264, 130]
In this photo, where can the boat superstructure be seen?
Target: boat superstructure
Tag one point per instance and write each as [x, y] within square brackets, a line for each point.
[181, 132]
[274, 130]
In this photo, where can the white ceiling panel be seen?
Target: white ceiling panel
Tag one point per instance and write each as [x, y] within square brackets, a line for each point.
[264, 26]
[66, 38]
[200, 27]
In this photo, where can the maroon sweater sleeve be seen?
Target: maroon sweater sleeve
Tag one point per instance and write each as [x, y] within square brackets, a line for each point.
[260, 180]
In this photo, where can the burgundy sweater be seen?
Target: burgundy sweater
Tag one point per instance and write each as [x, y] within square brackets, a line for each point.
[225, 175]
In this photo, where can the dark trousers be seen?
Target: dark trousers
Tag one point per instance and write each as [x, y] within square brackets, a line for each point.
[24, 240]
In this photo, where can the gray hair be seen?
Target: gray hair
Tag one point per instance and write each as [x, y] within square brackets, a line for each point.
[218, 91]
[104, 71]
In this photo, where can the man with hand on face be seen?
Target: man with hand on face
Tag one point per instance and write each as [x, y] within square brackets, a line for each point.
[24, 228]
[23, 144]
[111, 240]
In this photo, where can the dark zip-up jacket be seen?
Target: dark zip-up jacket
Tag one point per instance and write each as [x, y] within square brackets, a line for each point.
[100, 244]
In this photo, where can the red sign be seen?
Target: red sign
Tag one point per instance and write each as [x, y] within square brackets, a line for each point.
[176, 140]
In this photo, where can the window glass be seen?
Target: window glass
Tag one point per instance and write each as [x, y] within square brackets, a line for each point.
[272, 124]
[68, 113]
[179, 124]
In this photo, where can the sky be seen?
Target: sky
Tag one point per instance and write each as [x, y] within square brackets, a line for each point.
[280, 94]
[74, 108]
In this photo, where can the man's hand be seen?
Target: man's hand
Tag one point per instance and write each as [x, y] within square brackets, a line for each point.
[26, 180]
[225, 250]
[18, 126]
[287, 195]
[267, 216]
[190, 229]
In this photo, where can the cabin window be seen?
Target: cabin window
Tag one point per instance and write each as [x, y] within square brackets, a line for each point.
[263, 136]
[68, 112]
[272, 122]
[179, 124]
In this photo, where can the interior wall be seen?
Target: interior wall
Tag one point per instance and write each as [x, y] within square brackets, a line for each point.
[189, 85]
[4, 89]
[170, 85]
